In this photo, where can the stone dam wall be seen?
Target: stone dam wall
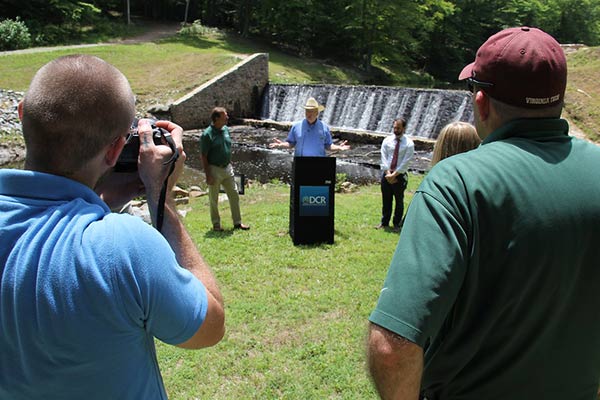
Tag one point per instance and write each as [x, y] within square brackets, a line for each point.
[239, 90]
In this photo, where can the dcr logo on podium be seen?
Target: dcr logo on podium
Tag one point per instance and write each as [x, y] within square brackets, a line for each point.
[314, 201]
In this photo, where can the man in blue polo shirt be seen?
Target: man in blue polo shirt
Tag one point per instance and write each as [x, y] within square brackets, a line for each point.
[311, 136]
[492, 292]
[84, 292]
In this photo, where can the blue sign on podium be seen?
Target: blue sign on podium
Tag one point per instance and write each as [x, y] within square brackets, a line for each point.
[312, 200]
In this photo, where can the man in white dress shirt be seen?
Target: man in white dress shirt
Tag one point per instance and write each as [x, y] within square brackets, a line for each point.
[396, 152]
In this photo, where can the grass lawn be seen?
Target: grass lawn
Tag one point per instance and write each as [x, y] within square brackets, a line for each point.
[296, 315]
[163, 71]
[583, 91]
[150, 68]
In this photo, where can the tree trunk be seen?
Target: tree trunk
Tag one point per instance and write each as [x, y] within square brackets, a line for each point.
[244, 12]
[128, 12]
[367, 52]
[210, 14]
[187, 7]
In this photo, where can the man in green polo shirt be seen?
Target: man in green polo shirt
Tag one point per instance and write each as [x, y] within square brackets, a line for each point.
[215, 144]
[493, 291]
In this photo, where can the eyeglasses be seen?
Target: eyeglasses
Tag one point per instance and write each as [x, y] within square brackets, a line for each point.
[132, 131]
[471, 83]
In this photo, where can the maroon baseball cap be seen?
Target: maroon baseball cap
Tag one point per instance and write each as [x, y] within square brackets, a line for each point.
[523, 67]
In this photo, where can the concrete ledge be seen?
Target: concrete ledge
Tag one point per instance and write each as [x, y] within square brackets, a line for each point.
[239, 89]
[351, 135]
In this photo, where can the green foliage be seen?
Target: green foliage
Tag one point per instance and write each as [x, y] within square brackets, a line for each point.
[61, 21]
[578, 22]
[455, 39]
[360, 32]
[14, 35]
[340, 178]
[429, 37]
[434, 36]
[72, 19]
[197, 30]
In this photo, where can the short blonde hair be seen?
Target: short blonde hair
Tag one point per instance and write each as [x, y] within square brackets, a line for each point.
[454, 138]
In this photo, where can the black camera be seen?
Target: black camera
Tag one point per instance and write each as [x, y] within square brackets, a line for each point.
[128, 160]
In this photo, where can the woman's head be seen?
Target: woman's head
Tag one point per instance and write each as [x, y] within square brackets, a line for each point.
[454, 138]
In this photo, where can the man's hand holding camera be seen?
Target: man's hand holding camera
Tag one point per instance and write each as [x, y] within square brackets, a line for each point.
[153, 163]
[144, 164]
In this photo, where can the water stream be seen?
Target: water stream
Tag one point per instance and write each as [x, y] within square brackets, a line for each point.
[252, 157]
[371, 108]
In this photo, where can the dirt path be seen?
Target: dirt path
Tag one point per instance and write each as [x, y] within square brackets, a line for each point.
[157, 30]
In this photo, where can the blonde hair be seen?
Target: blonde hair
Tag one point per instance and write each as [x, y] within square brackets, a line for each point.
[454, 138]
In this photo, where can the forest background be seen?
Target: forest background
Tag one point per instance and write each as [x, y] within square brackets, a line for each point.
[431, 38]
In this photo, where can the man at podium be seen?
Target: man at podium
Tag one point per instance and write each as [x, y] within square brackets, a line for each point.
[311, 136]
[313, 177]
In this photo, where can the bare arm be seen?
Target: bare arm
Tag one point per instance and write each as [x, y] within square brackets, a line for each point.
[278, 144]
[153, 174]
[395, 364]
[213, 328]
[339, 147]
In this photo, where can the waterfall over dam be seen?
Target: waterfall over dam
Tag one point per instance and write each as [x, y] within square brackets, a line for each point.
[371, 108]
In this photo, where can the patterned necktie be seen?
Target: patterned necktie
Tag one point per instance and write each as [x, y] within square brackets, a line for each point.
[395, 157]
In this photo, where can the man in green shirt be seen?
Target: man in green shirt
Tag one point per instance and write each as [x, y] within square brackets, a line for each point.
[215, 145]
[493, 291]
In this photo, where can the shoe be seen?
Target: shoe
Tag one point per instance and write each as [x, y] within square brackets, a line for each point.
[241, 226]
[397, 228]
[217, 228]
[381, 226]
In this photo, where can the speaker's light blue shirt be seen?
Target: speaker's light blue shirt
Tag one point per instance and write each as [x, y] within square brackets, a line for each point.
[310, 140]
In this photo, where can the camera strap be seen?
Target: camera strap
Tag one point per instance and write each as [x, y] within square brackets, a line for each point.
[160, 212]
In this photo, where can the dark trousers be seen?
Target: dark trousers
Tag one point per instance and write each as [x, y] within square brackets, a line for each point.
[389, 193]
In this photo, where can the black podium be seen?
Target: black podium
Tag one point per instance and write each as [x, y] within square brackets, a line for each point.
[312, 200]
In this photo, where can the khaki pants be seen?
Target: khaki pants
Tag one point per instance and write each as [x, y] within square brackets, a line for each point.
[223, 177]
